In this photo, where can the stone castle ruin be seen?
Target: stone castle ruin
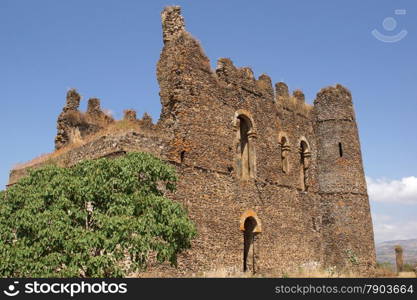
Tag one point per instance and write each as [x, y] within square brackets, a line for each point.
[271, 182]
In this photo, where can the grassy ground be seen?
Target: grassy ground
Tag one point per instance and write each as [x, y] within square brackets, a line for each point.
[381, 272]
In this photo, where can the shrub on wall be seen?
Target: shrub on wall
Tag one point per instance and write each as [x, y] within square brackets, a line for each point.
[85, 221]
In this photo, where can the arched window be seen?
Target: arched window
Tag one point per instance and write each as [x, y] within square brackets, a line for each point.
[304, 164]
[285, 149]
[245, 148]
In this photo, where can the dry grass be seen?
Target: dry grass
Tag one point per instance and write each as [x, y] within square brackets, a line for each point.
[300, 273]
[225, 273]
[407, 275]
[113, 128]
[382, 271]
[43, 158]
[294, 104]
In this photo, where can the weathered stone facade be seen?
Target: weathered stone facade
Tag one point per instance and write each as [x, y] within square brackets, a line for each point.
[271, 182]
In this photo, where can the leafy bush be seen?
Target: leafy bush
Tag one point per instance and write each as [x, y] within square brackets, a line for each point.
[86, 220]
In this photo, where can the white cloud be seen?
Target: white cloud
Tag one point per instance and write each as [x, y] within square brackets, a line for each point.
[403, 191]
[386, 229]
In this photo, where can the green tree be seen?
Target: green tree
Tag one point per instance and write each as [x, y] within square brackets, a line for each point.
[100, 218]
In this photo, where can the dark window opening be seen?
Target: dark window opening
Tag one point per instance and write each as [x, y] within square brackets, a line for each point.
[249, 244]
[304, 154]
[340, 150]
[245, 155]
[182, 156]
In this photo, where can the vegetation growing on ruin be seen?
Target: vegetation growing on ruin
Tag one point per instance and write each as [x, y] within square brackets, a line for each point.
[100, 218]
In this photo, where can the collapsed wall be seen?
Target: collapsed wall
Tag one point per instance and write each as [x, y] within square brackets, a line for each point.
[74, 125]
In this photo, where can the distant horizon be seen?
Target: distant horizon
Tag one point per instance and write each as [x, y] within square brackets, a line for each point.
[397, 240]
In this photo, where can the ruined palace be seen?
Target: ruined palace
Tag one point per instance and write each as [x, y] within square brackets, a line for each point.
[271, 182]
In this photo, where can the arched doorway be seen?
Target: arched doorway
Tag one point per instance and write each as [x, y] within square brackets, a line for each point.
[250, 226]
[249, 244]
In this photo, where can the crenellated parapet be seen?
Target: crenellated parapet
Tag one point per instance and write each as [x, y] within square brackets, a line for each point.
[130, 115]
[264, 83]
[95, 115]
[146, 122]
[244, 79]
[73, 101]
[73, 125]
[294, 103]
[334, 103]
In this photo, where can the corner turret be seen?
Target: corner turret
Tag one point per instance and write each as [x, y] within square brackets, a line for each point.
[339, 152]
[346, 217]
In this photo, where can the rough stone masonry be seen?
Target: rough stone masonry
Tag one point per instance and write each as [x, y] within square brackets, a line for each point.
[272, 183]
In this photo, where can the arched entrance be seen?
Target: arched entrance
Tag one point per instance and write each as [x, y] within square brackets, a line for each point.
[249, 243]
[250, 226]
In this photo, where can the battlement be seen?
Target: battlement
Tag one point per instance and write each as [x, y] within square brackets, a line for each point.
[74, 125]
[295, 103]
[334, 103]
[73, 100]
[243, 78]
[146, 121]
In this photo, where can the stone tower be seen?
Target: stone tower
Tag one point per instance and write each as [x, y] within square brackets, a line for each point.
[341, 178]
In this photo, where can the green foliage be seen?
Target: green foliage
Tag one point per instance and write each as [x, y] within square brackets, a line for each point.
[86, 220]
[385, 265]
[408, 268]
[352, 257]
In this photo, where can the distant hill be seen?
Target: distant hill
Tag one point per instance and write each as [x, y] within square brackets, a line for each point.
[385, 251]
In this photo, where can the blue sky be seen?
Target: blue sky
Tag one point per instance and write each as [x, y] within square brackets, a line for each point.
[109, 50]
